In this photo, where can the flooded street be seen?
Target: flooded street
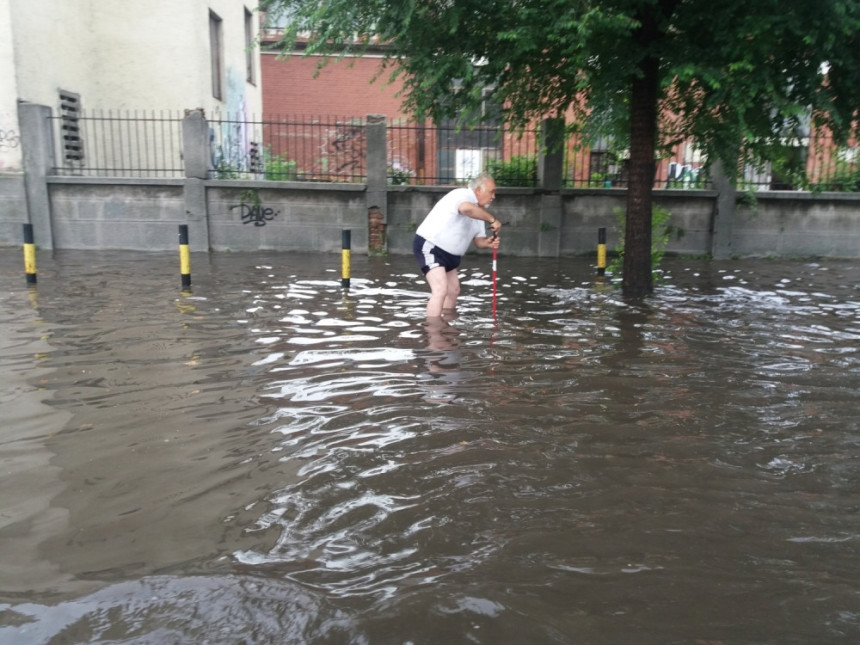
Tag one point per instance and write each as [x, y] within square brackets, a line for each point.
[272, 459]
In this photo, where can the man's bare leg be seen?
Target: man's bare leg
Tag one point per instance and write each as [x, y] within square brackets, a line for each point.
[438, 281]
[449, 306]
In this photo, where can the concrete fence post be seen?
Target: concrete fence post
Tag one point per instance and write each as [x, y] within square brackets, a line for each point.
[724, 213]
[551, 154]
[377, 173]
[550, 181]
[37, 148]
[195, 153]
[195, 145]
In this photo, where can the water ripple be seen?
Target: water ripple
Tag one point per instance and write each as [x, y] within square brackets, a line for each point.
[284, 460]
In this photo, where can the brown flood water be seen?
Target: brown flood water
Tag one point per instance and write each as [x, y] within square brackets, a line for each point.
[271, 459]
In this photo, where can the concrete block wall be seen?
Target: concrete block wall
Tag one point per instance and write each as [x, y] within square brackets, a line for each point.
[527, 233]
[140, 216]
[798, 225]
[238, 215]
[309, 218]
[13, 209]
[691, 220]
[144, 215]
[583, 214]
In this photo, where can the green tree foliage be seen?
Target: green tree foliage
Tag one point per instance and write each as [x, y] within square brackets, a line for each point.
[738, 76]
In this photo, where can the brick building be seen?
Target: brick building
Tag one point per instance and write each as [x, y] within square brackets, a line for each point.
[297, 86]
[294, 86]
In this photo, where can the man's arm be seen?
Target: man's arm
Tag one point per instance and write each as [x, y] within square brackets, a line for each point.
[476, 212]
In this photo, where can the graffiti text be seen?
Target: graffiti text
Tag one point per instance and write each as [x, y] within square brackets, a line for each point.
[256, 214]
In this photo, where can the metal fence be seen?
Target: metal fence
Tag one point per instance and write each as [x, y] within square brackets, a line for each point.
[812, 162]
[331, 149]
[602, 165]
[334, 149]
[109, 144]
[431, 155]
[423, 154]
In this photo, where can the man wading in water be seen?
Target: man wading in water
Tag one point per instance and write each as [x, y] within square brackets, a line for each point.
[445, 234]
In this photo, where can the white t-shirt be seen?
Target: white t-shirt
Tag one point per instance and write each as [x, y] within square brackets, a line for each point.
[446, 227]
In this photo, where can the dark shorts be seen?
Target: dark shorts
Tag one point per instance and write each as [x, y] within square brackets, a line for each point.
[430, 256]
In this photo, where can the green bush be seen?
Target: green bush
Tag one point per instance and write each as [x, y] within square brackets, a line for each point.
[277, 168]
[661, 231]
[845, 178]
[225, 171]
[521, 170]
[399, 176]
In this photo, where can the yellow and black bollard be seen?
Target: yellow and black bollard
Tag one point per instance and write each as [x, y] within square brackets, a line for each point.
[29, 255]
[601, 251]
[346, 239]
[184, 257]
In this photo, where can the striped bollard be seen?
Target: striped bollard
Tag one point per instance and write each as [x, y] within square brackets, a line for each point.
[346, 243]
[601, 251]
[184, 257]
[29, 255]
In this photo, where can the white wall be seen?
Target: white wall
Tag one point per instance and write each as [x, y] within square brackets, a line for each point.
[129, 55]
[10, 150]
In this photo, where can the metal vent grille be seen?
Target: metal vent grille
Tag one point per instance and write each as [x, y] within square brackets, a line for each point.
[70, 129]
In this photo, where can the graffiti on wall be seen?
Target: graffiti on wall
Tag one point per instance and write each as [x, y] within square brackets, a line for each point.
[342, 150]
[228, 148]
[682, 174]
[10, 140]
[255, 214]
[233, 150]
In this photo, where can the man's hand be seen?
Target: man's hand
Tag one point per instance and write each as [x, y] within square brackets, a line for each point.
[488, 242]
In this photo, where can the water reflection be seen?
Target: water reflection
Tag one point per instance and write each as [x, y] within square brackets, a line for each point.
[275, 459]
[442, 359]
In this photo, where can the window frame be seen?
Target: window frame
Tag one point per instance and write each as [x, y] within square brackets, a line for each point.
[250, 70]
[216, 54]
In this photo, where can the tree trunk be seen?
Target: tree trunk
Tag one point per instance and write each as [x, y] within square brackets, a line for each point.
[637, 280]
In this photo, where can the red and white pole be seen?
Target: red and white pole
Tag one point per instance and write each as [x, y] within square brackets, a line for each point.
[494, 277]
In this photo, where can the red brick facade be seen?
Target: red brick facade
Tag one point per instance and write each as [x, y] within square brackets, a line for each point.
[342, 88]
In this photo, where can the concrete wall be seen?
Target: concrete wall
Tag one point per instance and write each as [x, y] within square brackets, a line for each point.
[297, 218]
[10, 150]
[50, 40]
[798, 225]
[143, 214]
[246, 216]
[142, 55]
[13, 209]
[526, 231]
[108, 215]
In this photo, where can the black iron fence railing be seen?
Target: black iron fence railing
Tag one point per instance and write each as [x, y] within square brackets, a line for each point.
[334, 149]
[110, 144]
[436, 155]
[330, 149]
[422, 154]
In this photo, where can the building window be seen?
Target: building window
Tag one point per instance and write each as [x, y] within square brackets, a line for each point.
[70, 128]
[249, 47]
[607, 166]
[216, 53]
